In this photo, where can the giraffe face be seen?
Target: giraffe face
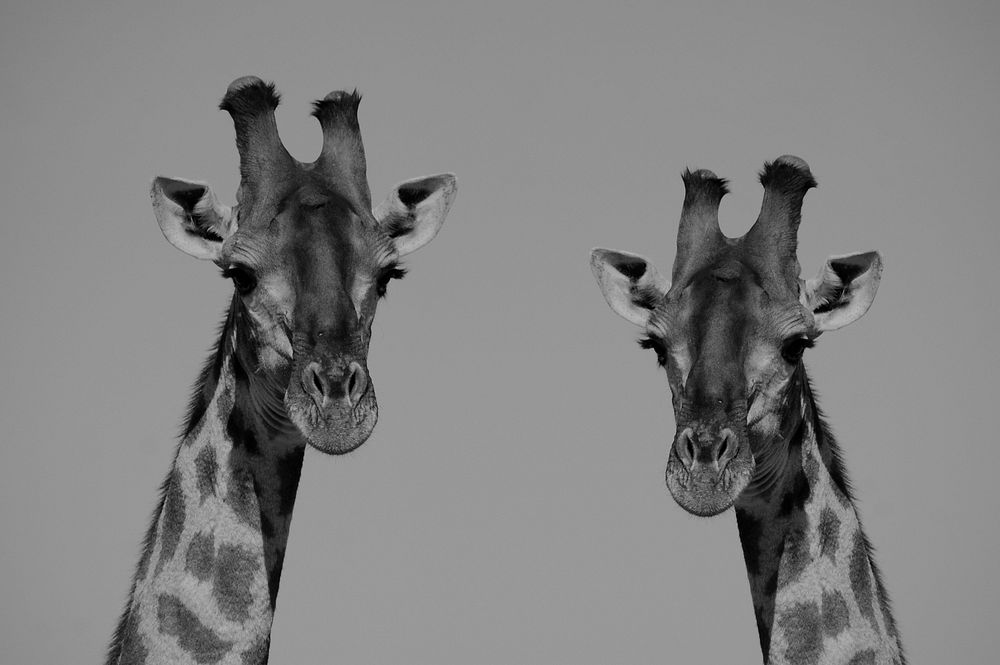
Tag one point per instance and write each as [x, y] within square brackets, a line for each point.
[731, 327]
[308, 281]
[730, 350]
[309, 259]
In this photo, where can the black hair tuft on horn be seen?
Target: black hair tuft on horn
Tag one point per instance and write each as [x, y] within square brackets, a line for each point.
[703, 184]
[248, 96]
[337, 106]
[787, 176]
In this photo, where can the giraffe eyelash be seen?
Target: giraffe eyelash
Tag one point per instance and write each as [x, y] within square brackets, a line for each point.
[390, 272]
[656, 344]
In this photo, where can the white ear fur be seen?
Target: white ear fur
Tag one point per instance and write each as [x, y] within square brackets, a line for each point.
[626, 281]
[415, 210]
[190, 216]
[843, 290]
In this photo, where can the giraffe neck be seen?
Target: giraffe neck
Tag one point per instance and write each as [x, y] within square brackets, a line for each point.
[816, 591]
[207, 582]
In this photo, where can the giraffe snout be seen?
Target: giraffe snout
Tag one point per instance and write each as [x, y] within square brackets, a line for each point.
[324, 386]
[705, 448]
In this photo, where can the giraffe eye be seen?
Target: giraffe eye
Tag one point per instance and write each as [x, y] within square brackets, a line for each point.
[794, 347]
[390, 273]
[657, 345]
[243, 278]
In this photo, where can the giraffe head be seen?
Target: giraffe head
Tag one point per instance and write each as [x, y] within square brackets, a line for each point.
[309, 258]
[730, 327]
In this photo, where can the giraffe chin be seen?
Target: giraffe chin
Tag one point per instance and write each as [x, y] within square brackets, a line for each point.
[337, 429]
[704, 492]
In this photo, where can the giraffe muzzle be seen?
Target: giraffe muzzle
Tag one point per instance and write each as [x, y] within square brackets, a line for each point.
[708, 467]
[333, 404]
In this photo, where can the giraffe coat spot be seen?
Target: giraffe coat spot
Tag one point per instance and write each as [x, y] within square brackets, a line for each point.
[242, 499]
[206, 466]
[794, 559]
[201, 556]
[801, 625]
[289, 472]
[192, 635]
[829, 533]
[234, 579]
[836, 616]
[257, 653]
[866, 657]
[173, 521]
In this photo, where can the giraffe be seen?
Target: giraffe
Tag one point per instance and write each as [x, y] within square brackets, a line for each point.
[309, 259]
[730, 327]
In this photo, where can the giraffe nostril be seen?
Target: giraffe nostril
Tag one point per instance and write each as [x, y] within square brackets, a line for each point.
[685, 448]
[356, 383]
[315, 384]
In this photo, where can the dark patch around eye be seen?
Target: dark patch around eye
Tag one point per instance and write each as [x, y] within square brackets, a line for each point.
[793, 349]
[243, 278]
[390, 272]
[656, 344]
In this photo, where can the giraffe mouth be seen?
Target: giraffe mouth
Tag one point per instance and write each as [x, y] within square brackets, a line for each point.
[706, 490]
[333, 426]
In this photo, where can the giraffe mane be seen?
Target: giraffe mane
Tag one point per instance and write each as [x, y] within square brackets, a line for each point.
[838, 472]
[200, 396]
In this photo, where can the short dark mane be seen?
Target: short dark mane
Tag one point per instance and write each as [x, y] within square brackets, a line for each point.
[825, 439]
[204, 388]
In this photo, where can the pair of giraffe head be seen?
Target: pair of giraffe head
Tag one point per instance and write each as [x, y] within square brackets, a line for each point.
[730, 327]
[308, 255]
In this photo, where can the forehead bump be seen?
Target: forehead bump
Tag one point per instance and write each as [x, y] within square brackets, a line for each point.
[251, 103]
[343, 156]
[698, 233]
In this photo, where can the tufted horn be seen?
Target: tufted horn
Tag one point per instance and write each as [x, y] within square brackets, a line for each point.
[251, 103]
[343, 154]
[774, 236]
[699, 231]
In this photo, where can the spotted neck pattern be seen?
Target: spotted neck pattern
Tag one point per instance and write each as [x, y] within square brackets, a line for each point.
[207, 581]
[817, 594]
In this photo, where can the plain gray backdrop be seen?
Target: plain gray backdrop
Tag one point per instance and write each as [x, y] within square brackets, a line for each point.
[510, 506]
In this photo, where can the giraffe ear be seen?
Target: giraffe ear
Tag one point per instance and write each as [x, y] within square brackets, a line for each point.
[190, 216]
[415, 210]
[631, 284]
[843, 290]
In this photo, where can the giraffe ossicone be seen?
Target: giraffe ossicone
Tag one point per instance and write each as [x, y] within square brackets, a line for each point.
[309, 258]
[730, 328]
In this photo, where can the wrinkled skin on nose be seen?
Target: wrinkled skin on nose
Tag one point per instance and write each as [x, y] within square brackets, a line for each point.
[330, 395]
[710, 460]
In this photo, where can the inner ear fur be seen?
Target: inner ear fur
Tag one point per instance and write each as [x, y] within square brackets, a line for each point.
[190, 216]
[843, 290]
[631, 285]
[414, 211]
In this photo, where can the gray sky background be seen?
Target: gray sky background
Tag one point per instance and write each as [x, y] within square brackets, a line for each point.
[510, 506]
